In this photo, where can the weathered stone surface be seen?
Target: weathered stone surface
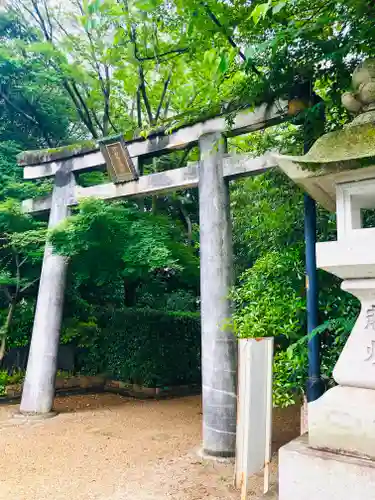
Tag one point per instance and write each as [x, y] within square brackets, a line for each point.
[363, 81]
[308, 474]
[321, 184]
[219, 346]
[350, 143]
[356, 364]
[348, 258]
[180, 178]
[245, 120]
[343, 420]
[39, 386]
[50, 155]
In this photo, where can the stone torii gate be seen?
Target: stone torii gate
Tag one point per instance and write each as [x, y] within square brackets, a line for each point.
[211, 174]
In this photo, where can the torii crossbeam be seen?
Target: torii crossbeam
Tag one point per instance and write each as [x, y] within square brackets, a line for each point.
[211, 174]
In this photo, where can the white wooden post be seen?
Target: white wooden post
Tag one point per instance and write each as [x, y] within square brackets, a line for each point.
[254, 421]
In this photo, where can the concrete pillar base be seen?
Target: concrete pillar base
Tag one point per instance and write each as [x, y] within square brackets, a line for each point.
[272, 494]
[313, 474]
[343, 419]
[215, 458]
[219, 454]
[28, 416]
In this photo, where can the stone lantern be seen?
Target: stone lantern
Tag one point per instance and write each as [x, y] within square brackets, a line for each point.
[337, 458]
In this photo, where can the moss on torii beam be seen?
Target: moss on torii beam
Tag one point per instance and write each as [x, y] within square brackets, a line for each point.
[44, 163]
[52, 154]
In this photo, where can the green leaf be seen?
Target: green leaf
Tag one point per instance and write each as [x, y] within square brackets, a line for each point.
[224, 63]
[277, 7]
[260, 11]
[147, 5]
[191, 27]
[93, 6]
[250, 52]
[209, 56]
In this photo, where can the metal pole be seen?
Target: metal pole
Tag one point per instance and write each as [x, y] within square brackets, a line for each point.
[314, 382]
[313, 128]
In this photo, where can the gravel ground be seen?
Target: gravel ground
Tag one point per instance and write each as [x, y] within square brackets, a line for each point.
[108, 447]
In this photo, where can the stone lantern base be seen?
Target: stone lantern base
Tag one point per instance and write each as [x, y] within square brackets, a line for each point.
[306, 473]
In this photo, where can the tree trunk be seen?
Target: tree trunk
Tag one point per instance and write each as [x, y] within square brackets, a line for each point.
[188, 223]
[5, 329]
[130, 293]
[154, 198]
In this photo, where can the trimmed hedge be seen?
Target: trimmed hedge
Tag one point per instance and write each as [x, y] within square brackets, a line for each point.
[145, 347]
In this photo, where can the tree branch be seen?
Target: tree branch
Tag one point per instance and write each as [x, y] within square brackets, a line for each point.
[2, 346]
[165, 88]
[106, 95]
[39, 120]
[216, 21]
[18, 273]
[139, 109]
[28, 117]
[159, 56]
[105, 82]
[166, 107]
[189, 225]
[48, 18]
[115, 129]
[17, 109]
[86, 120]
[6, 293]
[142, 88]
[84, 106]
[47, 33]
[68, 85]
[5, 329]
[26, 287]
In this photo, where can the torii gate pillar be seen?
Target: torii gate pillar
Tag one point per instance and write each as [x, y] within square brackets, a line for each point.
[39, 387]
[219, 345]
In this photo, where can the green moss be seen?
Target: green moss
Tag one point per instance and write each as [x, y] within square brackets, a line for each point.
[338, 166]
[69, 147]
[351, 147]
[51, 154]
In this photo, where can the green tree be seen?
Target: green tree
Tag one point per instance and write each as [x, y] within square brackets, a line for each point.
[34, 111]
[111, 241]
[22, 242]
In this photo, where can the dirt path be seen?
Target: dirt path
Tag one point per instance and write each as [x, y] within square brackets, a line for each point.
[107, 447]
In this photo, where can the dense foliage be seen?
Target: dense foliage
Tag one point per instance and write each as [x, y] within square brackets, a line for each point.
[145, 347]
[142, 346]
[81, 69]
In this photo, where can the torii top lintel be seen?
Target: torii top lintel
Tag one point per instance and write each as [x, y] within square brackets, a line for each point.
[45, 163]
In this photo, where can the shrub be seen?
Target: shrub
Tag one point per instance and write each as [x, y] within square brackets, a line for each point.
[3, 381]
[17, 377]
[269, 301]
[290, 366]
[145, 347]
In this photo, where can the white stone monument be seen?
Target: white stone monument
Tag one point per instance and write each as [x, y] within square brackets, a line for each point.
[336, 461]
